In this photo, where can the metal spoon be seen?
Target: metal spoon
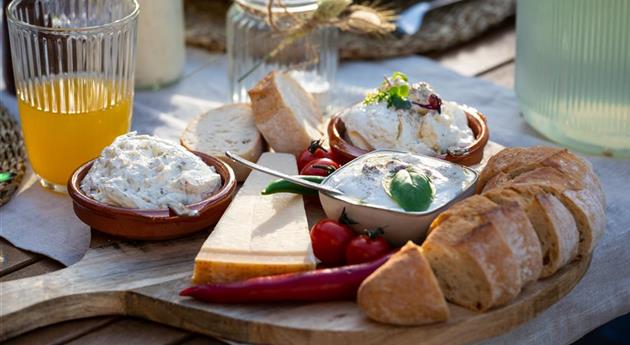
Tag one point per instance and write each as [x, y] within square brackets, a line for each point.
[410, 20]
[296, 180]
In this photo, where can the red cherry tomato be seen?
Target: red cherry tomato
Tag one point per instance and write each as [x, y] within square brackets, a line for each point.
[367, 247]
[314, 151]
[320, 167]
[329, 240]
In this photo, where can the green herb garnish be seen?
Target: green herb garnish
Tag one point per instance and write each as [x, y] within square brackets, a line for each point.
[411, 190]
[5, 176]
[394, 94]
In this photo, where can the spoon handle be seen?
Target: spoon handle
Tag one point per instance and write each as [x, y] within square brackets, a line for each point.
[299, 181]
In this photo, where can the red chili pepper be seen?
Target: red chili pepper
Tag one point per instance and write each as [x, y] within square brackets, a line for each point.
[339, 283]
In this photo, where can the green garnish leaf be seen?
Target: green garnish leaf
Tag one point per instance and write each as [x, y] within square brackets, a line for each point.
[410, 189]
[5, 176]
[398, 102]
[394, 95]
[400, 75]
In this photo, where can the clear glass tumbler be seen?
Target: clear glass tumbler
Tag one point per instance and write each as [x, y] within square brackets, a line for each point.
[73, 62]
[573, 72]
[311, 60]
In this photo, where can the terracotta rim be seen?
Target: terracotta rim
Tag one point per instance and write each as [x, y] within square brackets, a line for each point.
[346, 152]
[159, 215]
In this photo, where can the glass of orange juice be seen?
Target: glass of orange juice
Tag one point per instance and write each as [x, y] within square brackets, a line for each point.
[74, 63]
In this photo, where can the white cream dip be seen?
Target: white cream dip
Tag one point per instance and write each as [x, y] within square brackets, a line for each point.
[145, 172]
[419, 130]
[362, 179]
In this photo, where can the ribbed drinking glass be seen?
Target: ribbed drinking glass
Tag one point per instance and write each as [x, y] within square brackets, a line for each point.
[573, 72]
[73, 62]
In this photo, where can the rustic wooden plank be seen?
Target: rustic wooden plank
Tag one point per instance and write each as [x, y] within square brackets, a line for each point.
[502, 75]
[201, 340]
[62, 332]
[42, 266]
[13, 259]
[133, 331]
[481, 54]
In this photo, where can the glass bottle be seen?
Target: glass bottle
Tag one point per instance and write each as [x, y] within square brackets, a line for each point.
[161, 52]
[573, 72]
[312, 60]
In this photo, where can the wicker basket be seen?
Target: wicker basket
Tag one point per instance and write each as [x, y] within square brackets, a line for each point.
[12, 155]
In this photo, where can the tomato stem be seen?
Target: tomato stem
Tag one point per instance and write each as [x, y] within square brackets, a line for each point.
[316, 144]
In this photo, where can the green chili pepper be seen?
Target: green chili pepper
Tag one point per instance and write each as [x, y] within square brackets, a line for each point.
[284, 186]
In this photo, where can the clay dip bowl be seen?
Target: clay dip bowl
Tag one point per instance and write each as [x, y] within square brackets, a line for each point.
[152, 224]
[345, 151]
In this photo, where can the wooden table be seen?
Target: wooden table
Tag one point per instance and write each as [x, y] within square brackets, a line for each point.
[489, 57]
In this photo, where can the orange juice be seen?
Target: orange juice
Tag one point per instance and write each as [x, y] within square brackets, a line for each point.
[67, 122]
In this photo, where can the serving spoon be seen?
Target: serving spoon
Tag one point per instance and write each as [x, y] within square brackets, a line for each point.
[294, 179]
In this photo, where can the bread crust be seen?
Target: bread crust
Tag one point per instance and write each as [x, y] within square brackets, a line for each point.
[512, 162]
[584, 205]
[553, 223]
[286, 127]
[404, 291]
[496, 242]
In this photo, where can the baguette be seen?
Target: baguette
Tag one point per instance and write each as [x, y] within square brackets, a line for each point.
[287, 116]
[554, 224]
[511, 162]
[586, 208]
[227, 128]
[404, 291]
[483, 253]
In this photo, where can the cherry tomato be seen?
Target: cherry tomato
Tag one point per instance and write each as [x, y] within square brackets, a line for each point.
[329, 240]
[314, 151]
[367, 247]
[320, 167]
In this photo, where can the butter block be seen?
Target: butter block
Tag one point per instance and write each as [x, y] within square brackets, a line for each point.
[258, 235]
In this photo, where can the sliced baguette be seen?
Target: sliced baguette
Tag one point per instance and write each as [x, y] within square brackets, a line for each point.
[554, 224]
[404, 291]
[586, 208]
[287, 116]
[230, 127]
[483, 253]
[512, 162]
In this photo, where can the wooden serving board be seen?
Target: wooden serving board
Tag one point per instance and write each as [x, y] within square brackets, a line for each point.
[144, 279]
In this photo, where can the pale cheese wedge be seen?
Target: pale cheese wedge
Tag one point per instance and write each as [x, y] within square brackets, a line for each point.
[258, 235]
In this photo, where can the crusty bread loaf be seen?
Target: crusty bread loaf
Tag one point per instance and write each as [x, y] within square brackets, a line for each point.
[510, 158]
[554, 224]
[230, 127]
[483, 253]
[585, 207]
[404, 291]
[287, 116]
[511, 162]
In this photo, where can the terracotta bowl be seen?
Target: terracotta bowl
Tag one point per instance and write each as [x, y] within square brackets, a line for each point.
[471, 155]
[157, 224]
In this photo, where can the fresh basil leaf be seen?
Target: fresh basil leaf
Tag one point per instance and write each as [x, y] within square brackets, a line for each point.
[6, 176]
[411, 190]
[398, 102]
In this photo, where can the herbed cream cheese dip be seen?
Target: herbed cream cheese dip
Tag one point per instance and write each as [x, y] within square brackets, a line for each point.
[145, 172]
[362, 179]
[410, 117]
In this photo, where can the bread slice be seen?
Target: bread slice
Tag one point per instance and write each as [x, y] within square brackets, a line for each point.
[512, 162]
[404, 291]
[483, 253]
[554, 224]
[586, 208]
[287, 116]
[510, 159]
[230, 127]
